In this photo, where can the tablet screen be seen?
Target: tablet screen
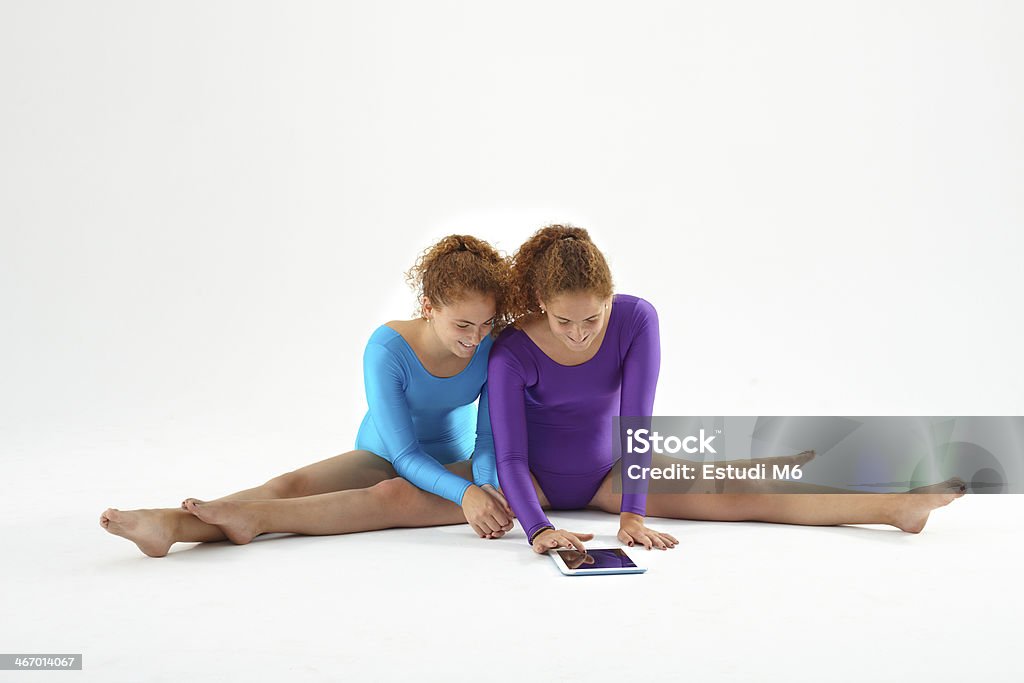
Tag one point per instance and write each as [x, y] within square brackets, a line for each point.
[602, 559]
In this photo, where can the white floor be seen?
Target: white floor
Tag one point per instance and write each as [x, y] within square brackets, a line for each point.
[733, 602]
[207, 207]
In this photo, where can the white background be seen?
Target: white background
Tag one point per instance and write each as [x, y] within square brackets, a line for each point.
[206, 208]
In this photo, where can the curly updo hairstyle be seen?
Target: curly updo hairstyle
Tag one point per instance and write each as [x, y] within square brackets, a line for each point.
[556, 259]
[460, 265]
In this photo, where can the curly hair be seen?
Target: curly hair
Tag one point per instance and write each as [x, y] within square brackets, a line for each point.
[459, 265]
[556, 259]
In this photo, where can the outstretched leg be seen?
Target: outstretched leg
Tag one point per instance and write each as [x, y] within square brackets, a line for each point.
[154, 531]
[386, 505]
[800, 504]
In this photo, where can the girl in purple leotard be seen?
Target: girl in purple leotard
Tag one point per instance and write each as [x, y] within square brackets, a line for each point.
[577, 357]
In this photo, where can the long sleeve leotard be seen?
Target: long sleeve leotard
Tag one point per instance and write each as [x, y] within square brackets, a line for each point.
[419, 422]
[556, 421]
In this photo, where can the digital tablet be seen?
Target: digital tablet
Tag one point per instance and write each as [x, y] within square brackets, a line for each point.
[595, 561]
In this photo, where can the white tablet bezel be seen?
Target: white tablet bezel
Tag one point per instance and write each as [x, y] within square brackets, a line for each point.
[564, 568]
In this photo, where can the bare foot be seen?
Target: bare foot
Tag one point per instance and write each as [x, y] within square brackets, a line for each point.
[912, 508]
[151, 530]
[791, 460]
[805, 457]
[234, 517]
[194, 500]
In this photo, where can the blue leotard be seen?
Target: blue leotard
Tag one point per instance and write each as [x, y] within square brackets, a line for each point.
[419, 422]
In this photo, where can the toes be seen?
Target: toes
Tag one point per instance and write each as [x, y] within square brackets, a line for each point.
[952, 485]
[956, 485]
[198, 509]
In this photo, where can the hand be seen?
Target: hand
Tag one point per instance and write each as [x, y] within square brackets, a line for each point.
[574, 559]
[501, 499]
[559, 538]
[485, 513]
[633, 530]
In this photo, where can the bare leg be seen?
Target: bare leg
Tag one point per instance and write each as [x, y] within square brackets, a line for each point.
[155, 530]
[802, 504]
[389, 504]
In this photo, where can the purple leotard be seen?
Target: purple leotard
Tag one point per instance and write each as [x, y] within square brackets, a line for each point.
[556, 421]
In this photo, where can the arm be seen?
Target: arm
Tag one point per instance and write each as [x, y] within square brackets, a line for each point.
[640, 367]
[506, 379]
[485, 469]
[385, 381]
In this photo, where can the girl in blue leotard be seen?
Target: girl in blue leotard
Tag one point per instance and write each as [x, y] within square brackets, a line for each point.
[427, 415]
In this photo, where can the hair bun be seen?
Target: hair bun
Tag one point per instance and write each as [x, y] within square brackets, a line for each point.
[557, 258]
[457, 265]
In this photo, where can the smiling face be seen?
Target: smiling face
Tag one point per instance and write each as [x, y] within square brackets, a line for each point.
[461, 325]
[577, 318]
